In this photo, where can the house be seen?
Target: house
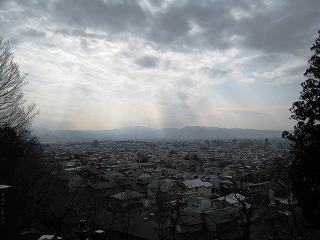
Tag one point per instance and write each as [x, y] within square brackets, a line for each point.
[176, 164]
[228, 173]
[161, 172]
[93, 161]
[103, 188]
[232, 200]
[71, 180]
[213, 179]
[120, 167]
[150, 166]
[189, 165]
[89, 172]
[226, 185]
[198, 204]
[159, 185]
[189, 222]
[128, 197]
[144, 182]
[140, 174]
[168, 189]
[222, 223]
[150, 171]
[202, 188]
[237, 167]
[175, 174]
[129, 184]
[243, 180]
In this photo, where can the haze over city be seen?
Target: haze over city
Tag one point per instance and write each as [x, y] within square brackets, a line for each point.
[113, 64]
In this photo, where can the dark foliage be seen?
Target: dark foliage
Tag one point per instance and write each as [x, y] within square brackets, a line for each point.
[305, 147]
[20, 167]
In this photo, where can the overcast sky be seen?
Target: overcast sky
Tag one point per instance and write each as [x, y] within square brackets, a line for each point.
[98, 64]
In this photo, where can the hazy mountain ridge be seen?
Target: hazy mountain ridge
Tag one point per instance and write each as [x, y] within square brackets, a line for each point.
[185, 133]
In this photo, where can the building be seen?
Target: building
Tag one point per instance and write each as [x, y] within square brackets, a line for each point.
[189, 222]
[95, 143]
[202, 188]
[71, 180]
[221, 223]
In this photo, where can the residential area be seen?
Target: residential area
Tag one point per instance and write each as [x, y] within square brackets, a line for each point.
[220, 189]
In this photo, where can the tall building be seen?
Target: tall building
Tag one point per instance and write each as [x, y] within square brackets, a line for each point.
[95, 143]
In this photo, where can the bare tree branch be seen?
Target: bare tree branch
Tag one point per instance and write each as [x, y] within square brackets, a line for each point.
[12, 109]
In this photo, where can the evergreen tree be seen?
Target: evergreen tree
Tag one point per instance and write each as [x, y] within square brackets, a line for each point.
[305, 146]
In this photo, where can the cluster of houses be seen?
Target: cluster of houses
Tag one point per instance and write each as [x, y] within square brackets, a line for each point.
[208, 196]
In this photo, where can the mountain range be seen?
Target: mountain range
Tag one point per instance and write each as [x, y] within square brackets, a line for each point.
[144, 133]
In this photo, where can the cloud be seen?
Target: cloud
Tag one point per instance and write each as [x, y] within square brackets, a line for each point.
[163, 63]
[182, 96]
[219, 73]
[116, 16]
[33, 33]
[147, 61]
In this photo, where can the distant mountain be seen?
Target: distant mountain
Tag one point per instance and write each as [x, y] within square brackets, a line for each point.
[54, 138]
[50, 138]
[185, 133]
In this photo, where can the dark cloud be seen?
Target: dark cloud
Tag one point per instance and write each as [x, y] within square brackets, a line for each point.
[147, 61]
[116, 16]
[2, 2]
[285, 30]
[33, 33]
[280, 28]
[284, 27]
[170, 24]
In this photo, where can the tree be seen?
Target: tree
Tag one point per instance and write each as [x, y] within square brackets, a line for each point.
[245, 211]
[126, 208]
[21, 167]
[305, 141]
[12, 109]
[168, 205]
[285, 204]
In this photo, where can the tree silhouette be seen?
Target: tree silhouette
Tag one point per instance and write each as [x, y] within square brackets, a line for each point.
[21, 167]
[282, 214]
[168, 205]
[12, 109]
[305, 146]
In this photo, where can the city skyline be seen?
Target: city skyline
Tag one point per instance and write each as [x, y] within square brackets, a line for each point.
[162, 64]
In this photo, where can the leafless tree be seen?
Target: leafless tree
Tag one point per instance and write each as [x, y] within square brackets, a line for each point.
[93, 205]
[168, 205]
[125, 209]
[284, 201]
[247, 210]
[12, 109]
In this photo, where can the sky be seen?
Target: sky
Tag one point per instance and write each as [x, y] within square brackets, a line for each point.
[107, 64]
